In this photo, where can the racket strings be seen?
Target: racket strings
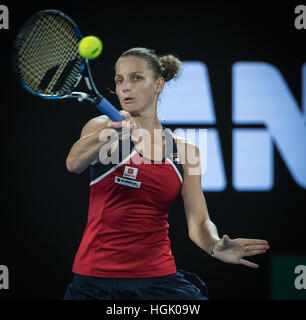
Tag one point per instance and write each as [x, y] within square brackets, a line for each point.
[48, 59]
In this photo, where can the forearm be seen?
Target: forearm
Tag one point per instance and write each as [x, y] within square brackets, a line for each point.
[86, 150]
[204, 235]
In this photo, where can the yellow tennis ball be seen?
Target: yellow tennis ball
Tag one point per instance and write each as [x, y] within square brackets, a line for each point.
[90, 47]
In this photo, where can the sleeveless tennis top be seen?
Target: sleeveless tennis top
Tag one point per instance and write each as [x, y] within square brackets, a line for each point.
[126, 235]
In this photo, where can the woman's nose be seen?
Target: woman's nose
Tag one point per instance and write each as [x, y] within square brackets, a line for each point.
[126, 86]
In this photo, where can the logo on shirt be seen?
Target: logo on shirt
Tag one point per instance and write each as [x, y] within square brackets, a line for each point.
[175, 157]
[127, 182]
[130, 172]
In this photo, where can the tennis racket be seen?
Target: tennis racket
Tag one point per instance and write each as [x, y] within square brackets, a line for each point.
[47, 62]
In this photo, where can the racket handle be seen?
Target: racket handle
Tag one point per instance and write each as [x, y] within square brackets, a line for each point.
[108, 109]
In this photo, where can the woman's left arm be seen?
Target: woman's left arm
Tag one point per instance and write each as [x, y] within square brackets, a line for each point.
[202, 231]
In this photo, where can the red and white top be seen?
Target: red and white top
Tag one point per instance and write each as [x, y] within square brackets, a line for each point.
[126, 235]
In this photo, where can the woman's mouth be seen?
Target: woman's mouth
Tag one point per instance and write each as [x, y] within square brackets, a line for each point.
[128, 100]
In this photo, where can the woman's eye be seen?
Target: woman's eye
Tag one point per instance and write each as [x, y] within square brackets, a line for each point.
[134, 78]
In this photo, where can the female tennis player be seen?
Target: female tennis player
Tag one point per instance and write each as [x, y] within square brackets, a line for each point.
[125, 250]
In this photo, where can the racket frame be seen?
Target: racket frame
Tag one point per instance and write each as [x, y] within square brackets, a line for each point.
[93, 96]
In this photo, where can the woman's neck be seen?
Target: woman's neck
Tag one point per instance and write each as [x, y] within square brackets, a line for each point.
[148, 122]
[150, 131]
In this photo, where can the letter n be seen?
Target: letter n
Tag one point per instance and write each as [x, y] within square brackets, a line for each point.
[261, 96]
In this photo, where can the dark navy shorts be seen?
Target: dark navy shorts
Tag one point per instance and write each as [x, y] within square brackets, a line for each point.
[181, 285]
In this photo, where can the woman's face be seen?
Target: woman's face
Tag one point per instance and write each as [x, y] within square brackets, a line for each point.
[135, 86]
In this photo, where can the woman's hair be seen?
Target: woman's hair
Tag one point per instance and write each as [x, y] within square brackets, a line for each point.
[166, 66]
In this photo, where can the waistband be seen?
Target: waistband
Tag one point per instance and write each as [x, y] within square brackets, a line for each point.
[113, 284]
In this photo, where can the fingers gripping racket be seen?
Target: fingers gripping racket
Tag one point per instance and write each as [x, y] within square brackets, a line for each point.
[47, 62]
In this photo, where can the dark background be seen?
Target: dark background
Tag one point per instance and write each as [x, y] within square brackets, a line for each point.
[44, 207]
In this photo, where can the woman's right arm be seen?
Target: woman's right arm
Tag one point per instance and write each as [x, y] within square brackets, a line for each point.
[86, 150]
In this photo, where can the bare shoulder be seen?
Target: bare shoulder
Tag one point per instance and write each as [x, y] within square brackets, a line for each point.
[94, 124]
[185, 146]
[189, 155]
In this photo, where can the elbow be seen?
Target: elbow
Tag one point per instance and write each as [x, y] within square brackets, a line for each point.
[194, 237]
[191, 233]
[72, 166]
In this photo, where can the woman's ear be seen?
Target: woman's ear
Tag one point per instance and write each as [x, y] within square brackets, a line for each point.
[160, 82]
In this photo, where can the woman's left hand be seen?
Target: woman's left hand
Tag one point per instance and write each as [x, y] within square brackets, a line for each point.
[233, 250]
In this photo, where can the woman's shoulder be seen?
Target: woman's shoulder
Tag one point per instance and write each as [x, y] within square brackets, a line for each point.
[189, 153]
[183, 143]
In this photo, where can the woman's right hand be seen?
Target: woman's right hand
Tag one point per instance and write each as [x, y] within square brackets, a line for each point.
[124, 127]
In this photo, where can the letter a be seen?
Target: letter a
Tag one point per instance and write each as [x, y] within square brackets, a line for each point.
[300, 281]
[4, 17]
[4, 277]
[300, 21]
